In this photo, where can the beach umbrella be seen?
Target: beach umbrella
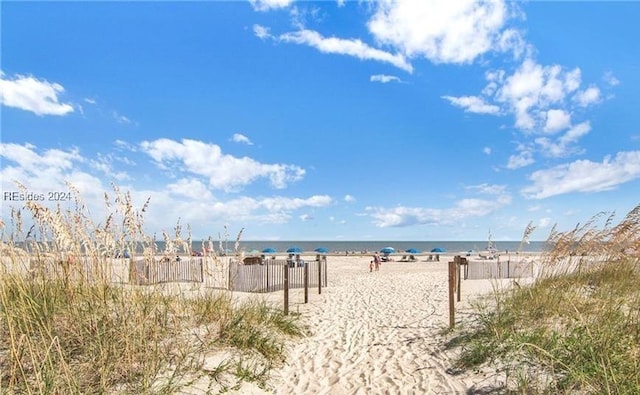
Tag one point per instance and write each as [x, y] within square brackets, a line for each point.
[294, 250]
[412, 251]
[438, 249]
[269, 250]
[388, 250]
[322, 250]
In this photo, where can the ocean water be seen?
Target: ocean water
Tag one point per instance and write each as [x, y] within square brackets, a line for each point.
[370, 246]
[341, 247]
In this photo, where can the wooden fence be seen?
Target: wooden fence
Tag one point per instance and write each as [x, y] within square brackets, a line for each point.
[476, 270]
[214, 272]
[144, 272]
[270, 275]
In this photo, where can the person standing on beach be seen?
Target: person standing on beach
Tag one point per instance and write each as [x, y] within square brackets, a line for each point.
[376, 261]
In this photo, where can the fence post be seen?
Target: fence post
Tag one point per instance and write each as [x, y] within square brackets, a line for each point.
[286, 288]
[267, 263]
[452, 285]
[306, 282]
[319, 277]
[458, 274]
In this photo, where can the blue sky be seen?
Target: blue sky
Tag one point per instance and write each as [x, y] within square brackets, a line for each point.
[327, 120]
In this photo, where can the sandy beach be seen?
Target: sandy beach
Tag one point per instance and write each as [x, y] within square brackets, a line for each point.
[380, 332]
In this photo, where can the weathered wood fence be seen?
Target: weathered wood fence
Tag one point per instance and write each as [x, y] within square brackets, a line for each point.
[476, 270]
[270, 275]
[156, 271]
[214, 272]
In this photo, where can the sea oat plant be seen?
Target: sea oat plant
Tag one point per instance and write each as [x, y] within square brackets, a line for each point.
[576, 329]
[67, 328]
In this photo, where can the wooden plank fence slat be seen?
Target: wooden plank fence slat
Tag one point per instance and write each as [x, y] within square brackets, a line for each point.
[269, 276]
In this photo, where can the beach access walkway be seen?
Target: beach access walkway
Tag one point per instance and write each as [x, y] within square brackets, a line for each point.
[373, 333]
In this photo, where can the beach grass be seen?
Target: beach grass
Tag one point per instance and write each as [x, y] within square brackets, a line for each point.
[63, 331]
[576, 329]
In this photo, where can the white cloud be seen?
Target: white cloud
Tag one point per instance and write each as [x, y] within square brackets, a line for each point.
[523, 158]
[533, 88]
[349, 198]
[43, 171]
[261, 32]
[383, 78]
[564, 145]
[306, 217]
[351, 47]
[473, 104]
[544, 222]
[190, 188]
[31, 94]
[121, 118]
[610, 79]
[442, 31]
[488, 189]
[557, 120]
[266, 5]
[486, 150]
[584, 176]
[240, 138]
[587, 97]
[188, 198]
[463, 209]
[222, 171]
[104, 164]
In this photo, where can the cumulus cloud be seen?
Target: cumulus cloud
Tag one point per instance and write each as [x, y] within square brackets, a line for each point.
[349, 198]
[523, 157]
[31, 94]
[533, 88]
[563, 146]
[584, 176]
[473, 104]
[383, 78]
[267, 5]
[43, 171]
[189, 197]
[443, 31]
[463, 209]
[241, 138]
[261, 32]
[306, 217]
[557, 120]
[351, 47]
[587, 97]
[223, 171]
[610, 79]
[105, 164]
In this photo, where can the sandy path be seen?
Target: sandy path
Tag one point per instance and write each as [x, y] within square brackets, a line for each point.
[373, 333]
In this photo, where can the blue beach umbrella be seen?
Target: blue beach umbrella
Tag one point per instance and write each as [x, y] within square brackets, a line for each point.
[412, 251]
[388, 250]
[294, 250]
[269, 250]
[438, 249]
[322, 250]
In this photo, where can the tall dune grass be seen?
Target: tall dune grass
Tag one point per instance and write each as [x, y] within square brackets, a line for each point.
[576, 329]
[65, 328]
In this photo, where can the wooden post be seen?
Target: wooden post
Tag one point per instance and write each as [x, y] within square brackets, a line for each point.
[459, 264]
[319, 277]
[306, 282]
[286, 288]
[267, 263]
[452, 284]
